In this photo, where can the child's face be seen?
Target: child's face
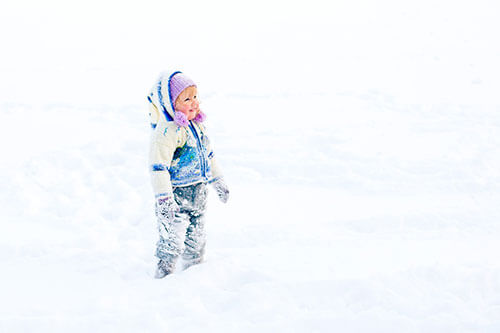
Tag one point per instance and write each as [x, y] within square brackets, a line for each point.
[187, 102]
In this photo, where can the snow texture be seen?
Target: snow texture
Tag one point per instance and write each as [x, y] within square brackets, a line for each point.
[360, 141]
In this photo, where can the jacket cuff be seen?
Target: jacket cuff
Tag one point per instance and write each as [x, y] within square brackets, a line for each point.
[213, 180]
[164, 195]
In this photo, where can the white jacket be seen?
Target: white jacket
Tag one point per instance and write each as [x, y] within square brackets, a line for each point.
[179, 155]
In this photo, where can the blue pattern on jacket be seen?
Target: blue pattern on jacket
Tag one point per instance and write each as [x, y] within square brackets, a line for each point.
[191, 162]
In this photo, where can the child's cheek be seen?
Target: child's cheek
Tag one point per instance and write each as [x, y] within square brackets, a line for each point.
[183, 109]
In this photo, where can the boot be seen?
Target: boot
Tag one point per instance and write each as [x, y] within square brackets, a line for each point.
[163, 269]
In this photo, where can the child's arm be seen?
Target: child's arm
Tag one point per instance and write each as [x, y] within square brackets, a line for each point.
[214, 167]
[165, 140]
[217, 179]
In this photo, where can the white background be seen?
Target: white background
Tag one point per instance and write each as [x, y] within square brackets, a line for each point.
[360, 141]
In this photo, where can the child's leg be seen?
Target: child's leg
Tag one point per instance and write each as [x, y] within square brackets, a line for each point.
[195, 206]
[195, 241]
[171, 242]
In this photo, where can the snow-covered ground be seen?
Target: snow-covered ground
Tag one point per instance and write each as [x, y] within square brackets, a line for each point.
[361, 144]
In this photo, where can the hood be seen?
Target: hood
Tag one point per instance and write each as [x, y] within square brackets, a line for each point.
[159, 97]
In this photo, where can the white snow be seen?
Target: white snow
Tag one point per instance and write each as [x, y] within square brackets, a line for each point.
[360, 141]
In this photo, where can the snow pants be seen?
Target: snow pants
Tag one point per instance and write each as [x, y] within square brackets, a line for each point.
[184, 236]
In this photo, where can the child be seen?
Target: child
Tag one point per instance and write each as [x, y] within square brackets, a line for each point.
[182, 164]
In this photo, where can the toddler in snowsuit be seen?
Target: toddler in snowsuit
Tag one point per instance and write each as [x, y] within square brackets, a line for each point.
[182, 164]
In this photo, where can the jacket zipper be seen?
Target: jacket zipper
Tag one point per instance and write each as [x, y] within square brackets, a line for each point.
[202, 155]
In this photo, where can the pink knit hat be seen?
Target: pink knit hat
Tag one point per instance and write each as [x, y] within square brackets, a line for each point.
[179, 82]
